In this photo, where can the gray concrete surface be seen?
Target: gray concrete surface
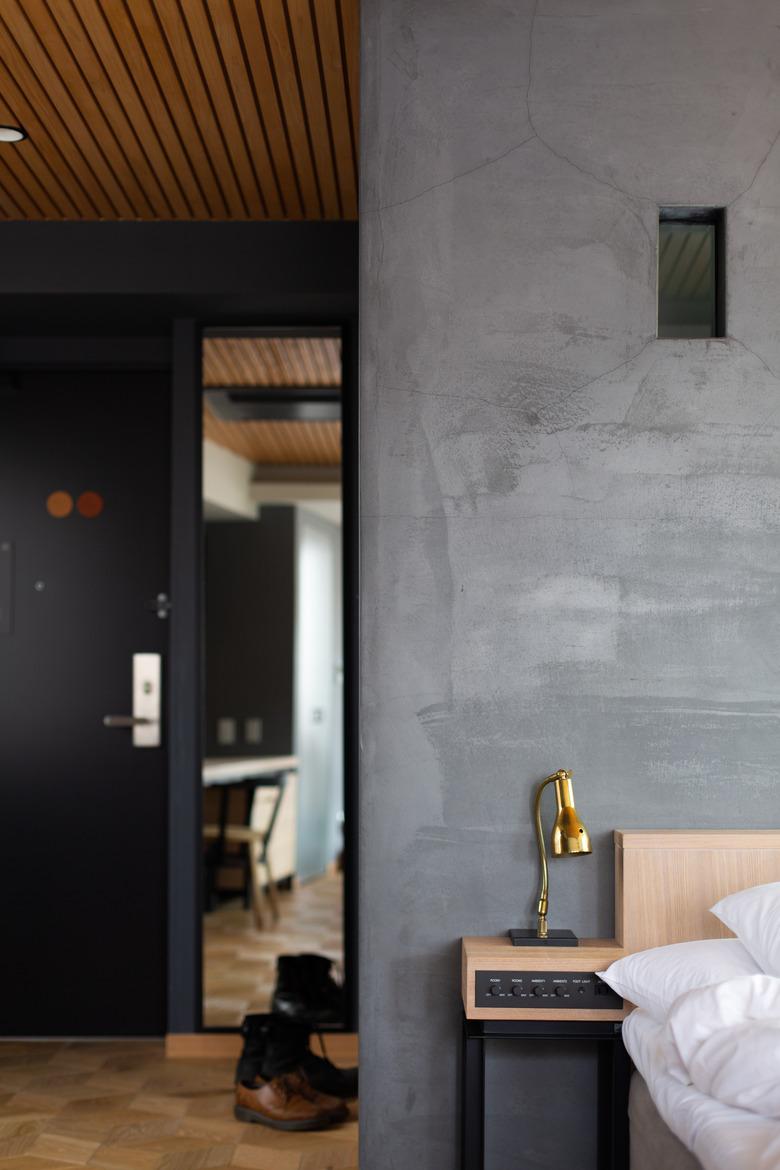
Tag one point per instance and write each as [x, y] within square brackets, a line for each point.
[569, 527]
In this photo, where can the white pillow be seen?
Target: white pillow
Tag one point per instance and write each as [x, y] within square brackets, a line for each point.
[754, 916]
[654, 979]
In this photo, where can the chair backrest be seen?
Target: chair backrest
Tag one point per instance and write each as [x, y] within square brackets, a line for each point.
[275, 811]
[278, 783]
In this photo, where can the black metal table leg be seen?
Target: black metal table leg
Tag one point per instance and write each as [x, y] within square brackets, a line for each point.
[215, 852]
[614, 1065]
[472, 1150]
[621, 1081]
[224, 798]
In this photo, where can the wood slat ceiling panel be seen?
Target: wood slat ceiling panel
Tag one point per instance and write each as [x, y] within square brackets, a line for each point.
[274, 361]
[271, 361]
[180, 109]
[277, 442]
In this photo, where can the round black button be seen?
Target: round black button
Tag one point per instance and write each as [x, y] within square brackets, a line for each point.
[495, 989]
[517, 991]
[559, 991]
[538, 990]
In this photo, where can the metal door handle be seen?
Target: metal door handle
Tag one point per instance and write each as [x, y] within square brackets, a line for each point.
[145, 719]
[124, 721]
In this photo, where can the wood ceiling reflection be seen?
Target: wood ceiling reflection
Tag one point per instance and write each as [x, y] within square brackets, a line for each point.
[180, 109]
[274, 361]
[271, 361]
[301, 443]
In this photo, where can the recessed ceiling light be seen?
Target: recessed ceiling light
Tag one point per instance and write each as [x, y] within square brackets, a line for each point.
[12, 134]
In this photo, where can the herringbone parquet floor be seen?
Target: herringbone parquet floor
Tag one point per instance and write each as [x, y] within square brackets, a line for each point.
[123, 1106]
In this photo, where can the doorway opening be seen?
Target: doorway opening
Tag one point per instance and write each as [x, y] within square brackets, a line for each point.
[275, 849]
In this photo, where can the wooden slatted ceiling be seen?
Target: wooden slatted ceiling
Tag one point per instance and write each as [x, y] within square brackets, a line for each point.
[274, 361]
[301, 443]
[179, 109]
[271, 361]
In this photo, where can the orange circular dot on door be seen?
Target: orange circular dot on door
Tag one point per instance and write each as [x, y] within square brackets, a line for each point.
[59, 504]
[90, 504]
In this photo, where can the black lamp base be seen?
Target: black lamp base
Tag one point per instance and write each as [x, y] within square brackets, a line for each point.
[555, 938]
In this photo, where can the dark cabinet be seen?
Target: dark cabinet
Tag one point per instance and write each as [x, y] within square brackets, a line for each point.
[250, 634]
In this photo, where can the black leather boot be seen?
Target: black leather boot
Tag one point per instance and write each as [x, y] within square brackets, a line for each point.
[306, 991]
[275, 1045]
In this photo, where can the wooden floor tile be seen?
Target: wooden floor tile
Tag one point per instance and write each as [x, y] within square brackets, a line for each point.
[32, 1163]
[63, 1148]
[70, 1109]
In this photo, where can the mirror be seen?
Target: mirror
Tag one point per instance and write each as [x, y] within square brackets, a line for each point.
[273, 768]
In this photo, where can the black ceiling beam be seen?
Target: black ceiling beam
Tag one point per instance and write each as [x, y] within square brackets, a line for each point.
[76, 352]
[274, 403]
[273, 331]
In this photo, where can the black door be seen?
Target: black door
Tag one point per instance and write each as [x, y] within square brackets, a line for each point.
[84, 497]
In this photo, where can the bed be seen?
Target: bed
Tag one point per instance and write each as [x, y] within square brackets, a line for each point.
[675, 1127]
[653, 1145]
[666, 882]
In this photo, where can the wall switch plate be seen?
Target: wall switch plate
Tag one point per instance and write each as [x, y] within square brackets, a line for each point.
[253, 730]
[226, 731]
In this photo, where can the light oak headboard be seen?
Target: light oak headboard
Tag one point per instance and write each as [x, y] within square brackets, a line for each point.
[667, 879]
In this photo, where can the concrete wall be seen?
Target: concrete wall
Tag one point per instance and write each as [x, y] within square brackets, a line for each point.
[569, 528]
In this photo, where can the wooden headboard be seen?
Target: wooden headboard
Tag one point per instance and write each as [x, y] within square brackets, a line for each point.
[666, 880]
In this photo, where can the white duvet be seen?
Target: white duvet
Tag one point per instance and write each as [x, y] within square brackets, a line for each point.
[725, 1040]
[713, 1071]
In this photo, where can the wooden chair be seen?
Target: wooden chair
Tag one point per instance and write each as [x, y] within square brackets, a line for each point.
[257, 842]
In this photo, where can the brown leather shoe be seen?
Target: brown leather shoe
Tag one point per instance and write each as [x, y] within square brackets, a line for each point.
[288, 1102]
[301, 1085]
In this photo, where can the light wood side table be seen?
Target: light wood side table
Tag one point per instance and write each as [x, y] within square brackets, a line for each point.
[543, 995]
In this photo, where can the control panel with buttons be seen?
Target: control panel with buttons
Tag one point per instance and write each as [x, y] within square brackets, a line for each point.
[535, 989]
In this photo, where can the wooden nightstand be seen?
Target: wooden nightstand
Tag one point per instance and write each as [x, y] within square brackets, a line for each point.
[503, 982]
[543, 995]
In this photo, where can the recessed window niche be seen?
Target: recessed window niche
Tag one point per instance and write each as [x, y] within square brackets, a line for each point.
[691, 286]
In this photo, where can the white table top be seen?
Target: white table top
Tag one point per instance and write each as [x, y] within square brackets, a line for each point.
[220, 770]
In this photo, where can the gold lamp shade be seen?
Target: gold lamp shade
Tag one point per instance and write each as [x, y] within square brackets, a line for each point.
[569, 835]
[569, 839]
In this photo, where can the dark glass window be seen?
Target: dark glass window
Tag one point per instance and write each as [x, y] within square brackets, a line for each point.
[690, 272]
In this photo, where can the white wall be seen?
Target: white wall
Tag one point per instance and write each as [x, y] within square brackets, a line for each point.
[318, 692]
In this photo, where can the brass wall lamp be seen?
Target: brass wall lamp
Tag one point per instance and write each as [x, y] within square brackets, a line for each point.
[569, 839]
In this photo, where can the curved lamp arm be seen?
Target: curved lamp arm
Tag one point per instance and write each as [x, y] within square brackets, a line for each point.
[541, 909]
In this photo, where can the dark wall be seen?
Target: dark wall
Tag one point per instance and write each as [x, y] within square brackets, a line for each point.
[250, 614]
[122, 278]
[76, 295]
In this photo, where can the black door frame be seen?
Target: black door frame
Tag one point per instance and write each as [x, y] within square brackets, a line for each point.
[185, 974]
[185, 681]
